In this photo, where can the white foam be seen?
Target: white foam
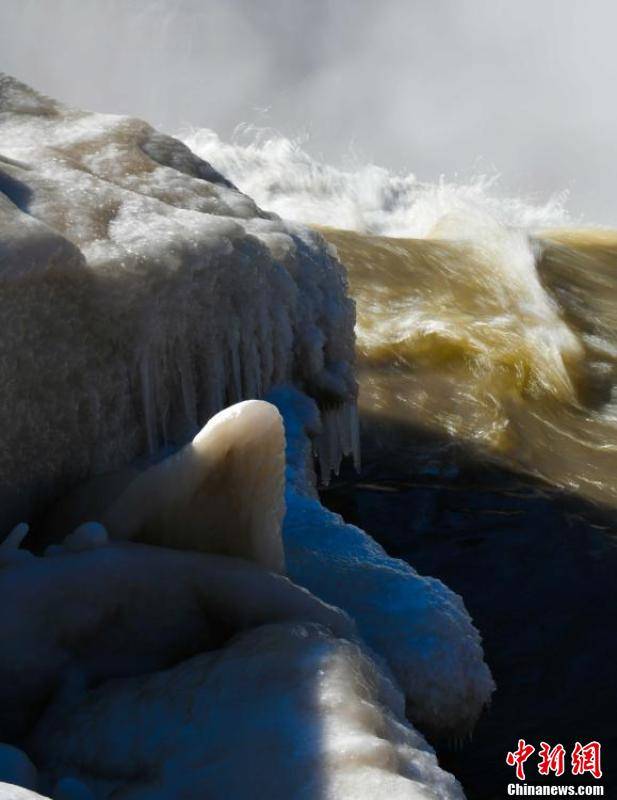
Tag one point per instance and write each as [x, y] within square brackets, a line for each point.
[283, 177]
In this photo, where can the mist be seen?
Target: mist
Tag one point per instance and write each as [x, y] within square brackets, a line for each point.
[446, 87]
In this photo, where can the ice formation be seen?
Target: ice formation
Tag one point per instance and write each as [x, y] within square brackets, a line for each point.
[125, 609]
[236, 462]
[284, 711]
[415, 623]
[419, 626]
[141, 293]
[113, 700]
[79, 628]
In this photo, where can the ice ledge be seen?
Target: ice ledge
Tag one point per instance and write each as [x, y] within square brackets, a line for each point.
[141, 294]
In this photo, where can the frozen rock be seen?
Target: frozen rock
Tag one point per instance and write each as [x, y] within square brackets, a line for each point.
[284, 711]
[141, 294]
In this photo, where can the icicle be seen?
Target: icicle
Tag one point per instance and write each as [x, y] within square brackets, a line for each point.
[236, 373]
[148, 403]
[354, 427]
[339, 437]
[187, 384]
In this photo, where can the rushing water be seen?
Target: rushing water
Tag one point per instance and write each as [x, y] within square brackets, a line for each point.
[486, 363]
[487, 357]
[504, 341]
[489, 318]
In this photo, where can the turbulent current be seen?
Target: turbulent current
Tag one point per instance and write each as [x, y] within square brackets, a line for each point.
[483, 317]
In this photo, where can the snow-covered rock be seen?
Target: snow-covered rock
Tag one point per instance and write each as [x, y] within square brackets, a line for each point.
[140, 294]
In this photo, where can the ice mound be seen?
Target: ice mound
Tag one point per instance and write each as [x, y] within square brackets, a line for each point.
[126, 609]
[284, 711]
[418, 625]
[221, 493]
[142, 293]
[291, 707]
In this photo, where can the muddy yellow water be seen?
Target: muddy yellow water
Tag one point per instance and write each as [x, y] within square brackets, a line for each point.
[505, 341]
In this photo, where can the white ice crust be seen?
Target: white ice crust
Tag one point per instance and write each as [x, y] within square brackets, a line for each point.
[140, 293]
[419, 626]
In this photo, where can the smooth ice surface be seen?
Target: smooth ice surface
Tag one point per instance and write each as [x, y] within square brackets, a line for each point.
[222, 493]
[419, 626]
[140, 294]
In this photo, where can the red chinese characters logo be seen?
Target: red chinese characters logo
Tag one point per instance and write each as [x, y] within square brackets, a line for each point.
[584, 759]
[519, 756]
[587, 759]
[552, 760]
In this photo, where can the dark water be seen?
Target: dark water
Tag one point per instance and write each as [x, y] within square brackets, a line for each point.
[537, 569]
